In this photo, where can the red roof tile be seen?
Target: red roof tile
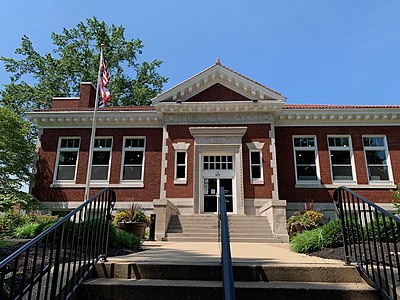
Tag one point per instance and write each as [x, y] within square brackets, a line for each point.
[114, 108]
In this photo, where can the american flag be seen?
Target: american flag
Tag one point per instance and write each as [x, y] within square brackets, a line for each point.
[104, 80]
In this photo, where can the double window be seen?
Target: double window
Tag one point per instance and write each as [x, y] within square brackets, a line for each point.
[101, 159]
[376, 154]
[341, 157]
[133, 159]
[68, 149]
[305, 152]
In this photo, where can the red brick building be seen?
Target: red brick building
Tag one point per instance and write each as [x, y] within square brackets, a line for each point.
[217, 128]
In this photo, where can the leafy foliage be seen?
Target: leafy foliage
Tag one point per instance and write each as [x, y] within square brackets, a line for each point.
[299, 222]
[326, 236]
[13, 224]
[75, 59]
[16, 159]
[133, 214]
[396, 199]
[121, 238]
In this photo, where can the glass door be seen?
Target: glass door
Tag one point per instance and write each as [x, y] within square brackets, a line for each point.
[211, 194]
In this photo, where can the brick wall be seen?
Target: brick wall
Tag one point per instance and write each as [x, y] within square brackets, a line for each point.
[48, 154]
[285, 161]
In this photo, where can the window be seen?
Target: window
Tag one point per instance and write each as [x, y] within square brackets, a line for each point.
[218, 162]
[101, 158]
[180, 166]
[376, 154]
[133, 161]
[68, 149]
[180, 148]
[256, 166]
[305, 151]
[341, 157]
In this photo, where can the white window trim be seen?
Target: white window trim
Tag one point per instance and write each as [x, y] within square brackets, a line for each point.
[385, 147]
[180, 147]
[180, 180]
[58, 157]
[256, 147]
[109, 162]
[307, 182]
[352, 161]
[139, 182]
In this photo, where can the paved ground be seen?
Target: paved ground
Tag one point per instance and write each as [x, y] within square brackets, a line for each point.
[203, 252]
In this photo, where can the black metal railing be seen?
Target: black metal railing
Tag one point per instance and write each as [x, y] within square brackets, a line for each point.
[55, 263]
[371, 239]
[226, 258]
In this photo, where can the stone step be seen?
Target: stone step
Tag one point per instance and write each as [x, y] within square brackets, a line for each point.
[100, 288]
[211, 239]
[328, 272]
[231, 231]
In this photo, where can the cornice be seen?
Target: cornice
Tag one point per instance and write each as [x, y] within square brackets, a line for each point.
[339, 117]
[220, 107]
[105, 119]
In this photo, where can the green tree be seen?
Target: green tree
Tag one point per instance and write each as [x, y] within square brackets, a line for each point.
[75, 59]
[16, 159]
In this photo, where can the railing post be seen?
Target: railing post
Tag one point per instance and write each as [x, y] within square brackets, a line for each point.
[54, 280]
[339, 205]
[226, 258]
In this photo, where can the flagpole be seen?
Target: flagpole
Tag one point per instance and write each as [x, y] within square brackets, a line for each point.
[93, 135]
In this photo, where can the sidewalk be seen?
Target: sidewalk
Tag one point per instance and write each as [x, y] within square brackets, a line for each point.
[209, 252]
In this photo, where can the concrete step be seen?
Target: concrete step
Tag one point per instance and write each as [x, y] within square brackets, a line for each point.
[215, 234]
[100, 288]
[210, 239]
[241, 272]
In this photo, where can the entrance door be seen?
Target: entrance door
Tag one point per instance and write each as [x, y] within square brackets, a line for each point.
[211, 194]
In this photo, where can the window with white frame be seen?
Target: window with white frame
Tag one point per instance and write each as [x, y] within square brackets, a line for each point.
[341, 157]
[180, 165]
[376, 154]
[255, 166]
[133, 159]
[180, 173]
[68, 150]
[101, 159]
[305, 151]
[218, 162]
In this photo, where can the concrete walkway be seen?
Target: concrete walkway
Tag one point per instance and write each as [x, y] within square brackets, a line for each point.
[209, 252]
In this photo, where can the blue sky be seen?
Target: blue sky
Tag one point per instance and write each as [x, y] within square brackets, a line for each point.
[311, 51]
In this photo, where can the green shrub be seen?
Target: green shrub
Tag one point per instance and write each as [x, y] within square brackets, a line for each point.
[375, 229]
[120, 238]
[308, 241]
[26, 231]
[332, 234]
[299, 222]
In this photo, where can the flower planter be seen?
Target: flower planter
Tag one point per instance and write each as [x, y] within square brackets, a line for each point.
[135, 228]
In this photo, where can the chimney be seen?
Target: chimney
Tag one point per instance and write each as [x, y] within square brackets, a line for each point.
[86, 98]
[87, 95]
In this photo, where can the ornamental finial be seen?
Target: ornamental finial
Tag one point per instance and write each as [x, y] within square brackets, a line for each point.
[218, 62]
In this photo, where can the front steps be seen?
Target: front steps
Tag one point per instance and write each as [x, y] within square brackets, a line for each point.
[203, 281]
[204, 228]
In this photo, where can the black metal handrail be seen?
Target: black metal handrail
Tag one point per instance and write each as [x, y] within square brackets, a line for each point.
[371, 239]
[56, 262]
[226, 259]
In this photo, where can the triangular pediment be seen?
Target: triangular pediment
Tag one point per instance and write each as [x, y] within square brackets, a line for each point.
[217, 92]
[218, 83]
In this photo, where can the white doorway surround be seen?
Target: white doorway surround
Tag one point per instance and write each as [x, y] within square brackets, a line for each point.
[218, 162]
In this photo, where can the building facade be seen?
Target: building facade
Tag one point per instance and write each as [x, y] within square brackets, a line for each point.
[217, 129]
